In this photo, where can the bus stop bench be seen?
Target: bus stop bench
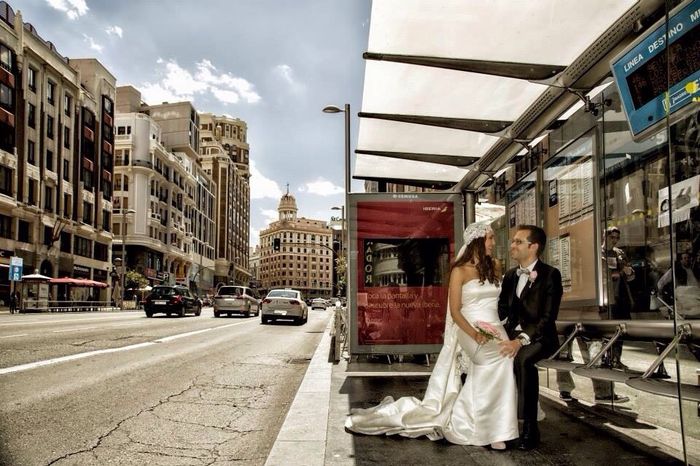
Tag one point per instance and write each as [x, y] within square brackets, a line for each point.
[613, 330]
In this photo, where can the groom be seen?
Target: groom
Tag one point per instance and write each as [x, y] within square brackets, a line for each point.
[529, 299]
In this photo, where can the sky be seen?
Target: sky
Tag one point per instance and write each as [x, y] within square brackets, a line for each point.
[273, 63]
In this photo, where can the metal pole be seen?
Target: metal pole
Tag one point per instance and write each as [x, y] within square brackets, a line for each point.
[123, 274]
[347, 203]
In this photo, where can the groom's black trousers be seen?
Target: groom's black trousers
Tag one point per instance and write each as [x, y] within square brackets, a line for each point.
[528, 380]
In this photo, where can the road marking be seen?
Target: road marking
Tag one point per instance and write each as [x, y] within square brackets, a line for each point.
[73, 357]
[34, 322]
[18, 335]
[73, 329]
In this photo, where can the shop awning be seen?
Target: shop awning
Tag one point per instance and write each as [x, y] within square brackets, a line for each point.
[79, 282]
[447, 82]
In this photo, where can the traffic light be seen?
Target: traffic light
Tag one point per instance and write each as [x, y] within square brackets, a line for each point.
[276, 244]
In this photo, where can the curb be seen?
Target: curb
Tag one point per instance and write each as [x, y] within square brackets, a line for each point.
[302, 438]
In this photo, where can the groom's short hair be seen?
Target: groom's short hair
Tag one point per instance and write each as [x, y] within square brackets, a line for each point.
[537, 235]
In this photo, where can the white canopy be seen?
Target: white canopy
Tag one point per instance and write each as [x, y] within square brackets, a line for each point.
[445, 80]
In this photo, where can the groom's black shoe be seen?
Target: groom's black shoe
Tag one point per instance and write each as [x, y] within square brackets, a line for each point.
[530, 437]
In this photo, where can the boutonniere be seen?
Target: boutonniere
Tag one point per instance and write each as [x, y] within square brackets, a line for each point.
[532, 277]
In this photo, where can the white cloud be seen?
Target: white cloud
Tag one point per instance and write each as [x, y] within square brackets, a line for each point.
[254, 237]
[116, 30]
[270, 216]
[178, 83]
[93, 45]
[322, 187]
[261, 186]
[72, 8]
[286, 73]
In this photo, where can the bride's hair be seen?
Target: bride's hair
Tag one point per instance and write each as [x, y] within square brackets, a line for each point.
[486, 267]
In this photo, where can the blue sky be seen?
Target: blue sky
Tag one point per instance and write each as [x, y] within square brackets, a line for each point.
[273, 63]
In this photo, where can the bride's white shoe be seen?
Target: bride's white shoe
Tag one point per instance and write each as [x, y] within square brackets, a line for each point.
[498, 446]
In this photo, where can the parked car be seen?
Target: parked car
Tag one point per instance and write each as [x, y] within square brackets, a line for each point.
[169, 300]
[319, 303]
[236, 300]
[284, 304]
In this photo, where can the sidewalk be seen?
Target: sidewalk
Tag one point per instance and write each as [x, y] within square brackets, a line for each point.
[578, 433]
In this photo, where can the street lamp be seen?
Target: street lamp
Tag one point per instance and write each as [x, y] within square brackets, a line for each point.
[123, 275]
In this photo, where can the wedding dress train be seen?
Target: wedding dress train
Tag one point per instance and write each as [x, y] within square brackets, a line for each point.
[480, 412]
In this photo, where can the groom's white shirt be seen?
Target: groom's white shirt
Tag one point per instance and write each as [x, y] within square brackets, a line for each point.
[522, 282]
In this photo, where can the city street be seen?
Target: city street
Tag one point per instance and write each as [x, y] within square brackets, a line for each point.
[119, 388]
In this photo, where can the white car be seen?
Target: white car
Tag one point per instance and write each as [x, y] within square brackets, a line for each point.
[319, 303]
[284, 304]
[236, 300]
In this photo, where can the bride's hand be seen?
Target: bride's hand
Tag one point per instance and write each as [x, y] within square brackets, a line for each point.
[479, 338]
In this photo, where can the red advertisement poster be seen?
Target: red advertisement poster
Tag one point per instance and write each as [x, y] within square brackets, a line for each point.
[404, 252]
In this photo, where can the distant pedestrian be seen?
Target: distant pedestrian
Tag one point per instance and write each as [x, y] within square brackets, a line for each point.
[13, 303]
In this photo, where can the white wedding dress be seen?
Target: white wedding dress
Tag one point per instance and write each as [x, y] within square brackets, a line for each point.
[481, 412]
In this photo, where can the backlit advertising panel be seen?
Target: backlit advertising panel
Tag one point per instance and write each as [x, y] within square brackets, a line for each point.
[402, 247]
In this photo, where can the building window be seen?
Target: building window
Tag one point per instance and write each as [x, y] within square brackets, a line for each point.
[31, 78]
[31, 194]
[6, 57]
[31, 157]
[66, 170]
[67, 104]
[67, 207]
[49, 126]
[82, 247]
[65, 242]
[5, 180]
[106, 220]
[87, 212]
[23, 232]
[48, 199]
[66, 137]
[31, 116]
[50, 92]
[7, 97]
[49, 160]
[48, 236]
[5, 226]
[100, 251]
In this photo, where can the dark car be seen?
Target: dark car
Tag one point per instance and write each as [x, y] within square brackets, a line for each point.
[169, 300]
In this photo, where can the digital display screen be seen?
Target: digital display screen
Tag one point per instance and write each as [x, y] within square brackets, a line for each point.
[649, 80]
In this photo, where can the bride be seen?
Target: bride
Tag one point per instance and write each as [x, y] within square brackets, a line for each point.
[484, 410]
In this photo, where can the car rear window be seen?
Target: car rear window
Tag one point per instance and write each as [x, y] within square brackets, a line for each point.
[231, 291]
[163, 291]
[283, 294]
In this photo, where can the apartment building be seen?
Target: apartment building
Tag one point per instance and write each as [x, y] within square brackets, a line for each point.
[304, 257]
[163, 199]
[224, 154]
[56, 158]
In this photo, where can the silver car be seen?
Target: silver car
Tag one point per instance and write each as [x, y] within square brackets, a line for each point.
[319, 303]
[236, 300]
[284, 304]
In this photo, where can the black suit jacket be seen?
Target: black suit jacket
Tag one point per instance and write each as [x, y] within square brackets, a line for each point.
[537, 308]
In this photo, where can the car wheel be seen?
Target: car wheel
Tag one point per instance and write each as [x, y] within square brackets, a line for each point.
[198, 312]
[263, 321]
[217, 314]
[181, 313]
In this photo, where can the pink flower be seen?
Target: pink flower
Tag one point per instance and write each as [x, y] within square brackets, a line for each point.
[487, 330]
[533, 276]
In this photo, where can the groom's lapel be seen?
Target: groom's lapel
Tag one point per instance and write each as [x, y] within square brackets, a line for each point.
[532, 284]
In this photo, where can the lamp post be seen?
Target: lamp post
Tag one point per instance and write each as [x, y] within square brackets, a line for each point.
[123, 274]
[346, 110]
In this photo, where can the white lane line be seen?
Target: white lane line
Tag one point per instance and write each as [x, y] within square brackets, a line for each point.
[73, 357]
[18, 335]
[76, 329]
[75, 321]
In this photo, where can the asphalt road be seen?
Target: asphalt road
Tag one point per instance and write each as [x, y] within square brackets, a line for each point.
[118, 388]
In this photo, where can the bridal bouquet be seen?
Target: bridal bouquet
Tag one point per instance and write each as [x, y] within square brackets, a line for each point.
[487, 330]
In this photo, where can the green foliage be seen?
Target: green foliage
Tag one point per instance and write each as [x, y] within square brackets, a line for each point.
[134, 280]
[340, 270]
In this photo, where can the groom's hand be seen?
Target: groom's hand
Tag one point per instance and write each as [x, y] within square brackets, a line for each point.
[510, 348]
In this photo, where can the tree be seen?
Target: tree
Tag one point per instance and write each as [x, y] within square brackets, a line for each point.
[134, 280]
[340, 270]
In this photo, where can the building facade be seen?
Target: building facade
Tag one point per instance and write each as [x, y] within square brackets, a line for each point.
[304, 260]
[56, 158]
[164, 201]
[224, 155]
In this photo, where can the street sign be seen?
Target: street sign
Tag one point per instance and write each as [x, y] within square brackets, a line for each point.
[16, 265]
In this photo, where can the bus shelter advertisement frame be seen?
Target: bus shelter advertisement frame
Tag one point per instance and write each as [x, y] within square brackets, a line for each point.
[402, 245]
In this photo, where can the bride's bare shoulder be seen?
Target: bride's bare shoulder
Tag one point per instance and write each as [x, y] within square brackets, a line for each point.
[465, 272]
